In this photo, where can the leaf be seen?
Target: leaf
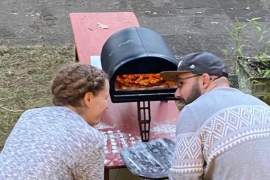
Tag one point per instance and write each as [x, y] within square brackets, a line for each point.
[261, 38]
[259, 70]
[267, 73]
[258, 28]
[255, 19]
[102, 26]
[264, 31]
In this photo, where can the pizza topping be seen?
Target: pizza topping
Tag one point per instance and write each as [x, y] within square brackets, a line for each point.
[141, 81]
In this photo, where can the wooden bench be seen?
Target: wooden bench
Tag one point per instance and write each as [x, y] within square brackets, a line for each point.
[119, 122]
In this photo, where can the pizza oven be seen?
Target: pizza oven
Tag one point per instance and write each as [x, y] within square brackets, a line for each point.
[133, 58]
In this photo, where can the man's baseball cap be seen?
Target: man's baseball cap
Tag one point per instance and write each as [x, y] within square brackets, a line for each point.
[197, 63]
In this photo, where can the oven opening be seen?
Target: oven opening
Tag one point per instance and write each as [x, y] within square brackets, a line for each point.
[142, 82]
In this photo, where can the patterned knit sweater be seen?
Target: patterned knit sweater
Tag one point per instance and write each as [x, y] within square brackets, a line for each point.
[223, 135]
[52, 143]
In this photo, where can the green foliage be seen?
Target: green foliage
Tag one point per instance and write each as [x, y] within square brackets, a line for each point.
[252, 46]
[252, 57]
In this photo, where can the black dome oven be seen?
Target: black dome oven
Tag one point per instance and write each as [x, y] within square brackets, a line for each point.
[133, 59]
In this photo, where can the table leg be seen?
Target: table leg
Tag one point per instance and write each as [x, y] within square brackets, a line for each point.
[106, 174]
[76, 55]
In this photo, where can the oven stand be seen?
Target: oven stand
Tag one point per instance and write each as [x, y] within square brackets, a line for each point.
[144, 119]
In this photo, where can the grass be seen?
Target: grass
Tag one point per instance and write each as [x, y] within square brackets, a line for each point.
[25, 79]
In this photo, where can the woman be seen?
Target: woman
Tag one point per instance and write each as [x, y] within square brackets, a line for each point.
[59, 142]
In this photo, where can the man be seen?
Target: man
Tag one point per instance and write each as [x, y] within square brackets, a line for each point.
[221, 133]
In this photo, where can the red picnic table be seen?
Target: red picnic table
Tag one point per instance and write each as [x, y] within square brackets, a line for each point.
[119, 123]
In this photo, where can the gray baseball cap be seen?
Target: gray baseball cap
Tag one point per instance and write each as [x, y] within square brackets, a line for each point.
[197, 63]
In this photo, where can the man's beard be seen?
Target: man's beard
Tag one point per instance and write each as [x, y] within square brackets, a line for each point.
[195, 93]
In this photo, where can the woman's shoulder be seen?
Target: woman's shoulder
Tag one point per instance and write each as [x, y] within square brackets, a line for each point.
[43, 109]
[49, 111]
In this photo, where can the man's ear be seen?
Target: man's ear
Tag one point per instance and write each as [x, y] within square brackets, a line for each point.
[87, 98]
[205, 80]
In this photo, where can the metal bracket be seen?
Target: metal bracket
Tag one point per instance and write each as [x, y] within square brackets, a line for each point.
[144, 119]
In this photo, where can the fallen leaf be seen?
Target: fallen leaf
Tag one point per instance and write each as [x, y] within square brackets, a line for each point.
[102, 26]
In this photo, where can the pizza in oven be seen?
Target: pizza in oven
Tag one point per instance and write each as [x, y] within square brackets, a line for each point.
[142, 82]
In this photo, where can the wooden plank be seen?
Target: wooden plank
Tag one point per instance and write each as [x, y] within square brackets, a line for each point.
[89, 36]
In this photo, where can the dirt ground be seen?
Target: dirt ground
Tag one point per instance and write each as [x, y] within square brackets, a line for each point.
[187, 25]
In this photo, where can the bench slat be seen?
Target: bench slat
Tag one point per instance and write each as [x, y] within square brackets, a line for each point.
[89, 37]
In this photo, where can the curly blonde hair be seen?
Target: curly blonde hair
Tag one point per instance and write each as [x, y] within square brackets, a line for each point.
[73, 81]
